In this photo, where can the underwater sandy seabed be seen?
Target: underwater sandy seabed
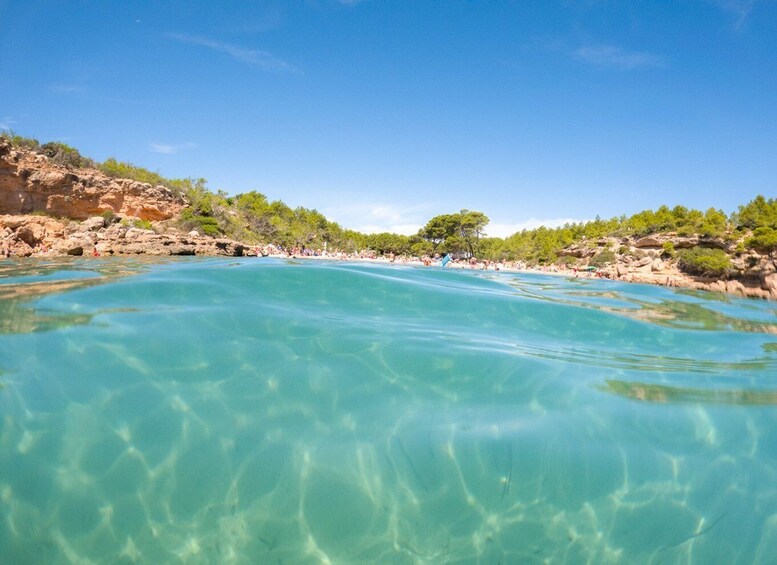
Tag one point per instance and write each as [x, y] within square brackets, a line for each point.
[245, 411]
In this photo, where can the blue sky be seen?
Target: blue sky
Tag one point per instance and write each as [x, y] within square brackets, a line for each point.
[383, 113]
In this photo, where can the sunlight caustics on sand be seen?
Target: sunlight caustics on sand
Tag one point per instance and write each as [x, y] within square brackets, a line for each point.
[250, 410]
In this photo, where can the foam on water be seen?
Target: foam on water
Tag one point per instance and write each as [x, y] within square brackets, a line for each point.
[261, 411]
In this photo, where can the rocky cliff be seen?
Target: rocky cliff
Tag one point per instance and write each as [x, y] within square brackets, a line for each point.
[30, 182]
[645, 260]
[48, 209]
[25, 236]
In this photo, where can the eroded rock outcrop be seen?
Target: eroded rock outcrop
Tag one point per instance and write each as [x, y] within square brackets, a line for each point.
[30, 182]
[657, 241]
[643, 260]
[97, 213]
[25, 236]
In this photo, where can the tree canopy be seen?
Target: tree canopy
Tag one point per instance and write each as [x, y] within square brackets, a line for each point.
[455, 233]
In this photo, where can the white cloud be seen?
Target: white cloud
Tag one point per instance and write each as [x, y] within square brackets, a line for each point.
[402, 229]
[66, 88]
[256, 57]
[162, 148]
[740, 9]
[168, 149]
[379, 218]
[407, 220]
[617, 57]
[7, 123]
[505, 230]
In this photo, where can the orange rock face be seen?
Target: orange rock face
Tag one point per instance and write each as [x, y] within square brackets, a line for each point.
[31, 183]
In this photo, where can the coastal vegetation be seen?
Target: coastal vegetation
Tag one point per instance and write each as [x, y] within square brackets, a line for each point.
[704, 262]
[253, 218]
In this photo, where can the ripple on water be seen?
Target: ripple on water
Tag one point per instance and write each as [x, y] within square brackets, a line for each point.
[258, 410]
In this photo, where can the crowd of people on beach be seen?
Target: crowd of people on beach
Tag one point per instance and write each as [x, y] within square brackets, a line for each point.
[438, 260]
[304, 252]
[472, 263]
[459, 262]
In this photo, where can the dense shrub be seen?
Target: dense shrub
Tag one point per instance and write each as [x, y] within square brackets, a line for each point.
[203, 224]
[759, 212]
[685, 231]
[142, 224]
[764, 240]
[421, 248]
[604, 257]
[566, 261]
[63, 154]
[109, 216]
[124, 170]
[714, 223]
[705, 262]
[668, 250]
[385, 243]
[209, 226]
[19, 141]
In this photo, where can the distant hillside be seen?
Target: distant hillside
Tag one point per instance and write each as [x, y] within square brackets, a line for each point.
[56, 180]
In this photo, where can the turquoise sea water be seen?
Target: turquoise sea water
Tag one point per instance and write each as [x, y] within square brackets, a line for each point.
[263, 411]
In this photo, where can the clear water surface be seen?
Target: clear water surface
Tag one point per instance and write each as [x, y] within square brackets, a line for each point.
[264, 411]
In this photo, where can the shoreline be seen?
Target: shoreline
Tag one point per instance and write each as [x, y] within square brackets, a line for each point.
[674, 279]
[52, 209]
[42, 236]
[670, 278]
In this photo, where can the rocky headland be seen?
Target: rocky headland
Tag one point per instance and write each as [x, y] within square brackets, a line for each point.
[646, 260]
[49, 209]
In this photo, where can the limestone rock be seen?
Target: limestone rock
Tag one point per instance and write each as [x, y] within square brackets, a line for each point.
[735, 287]
[31, 234]
[713, 242]
[94, 223]
[647, 242]
[770, 284]
[31, 183]
[19, 248]
[717, 286]
[113, 232]
[70, 247]
[684, 242]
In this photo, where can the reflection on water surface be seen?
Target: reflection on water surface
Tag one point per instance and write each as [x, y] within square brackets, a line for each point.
[244, 411]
